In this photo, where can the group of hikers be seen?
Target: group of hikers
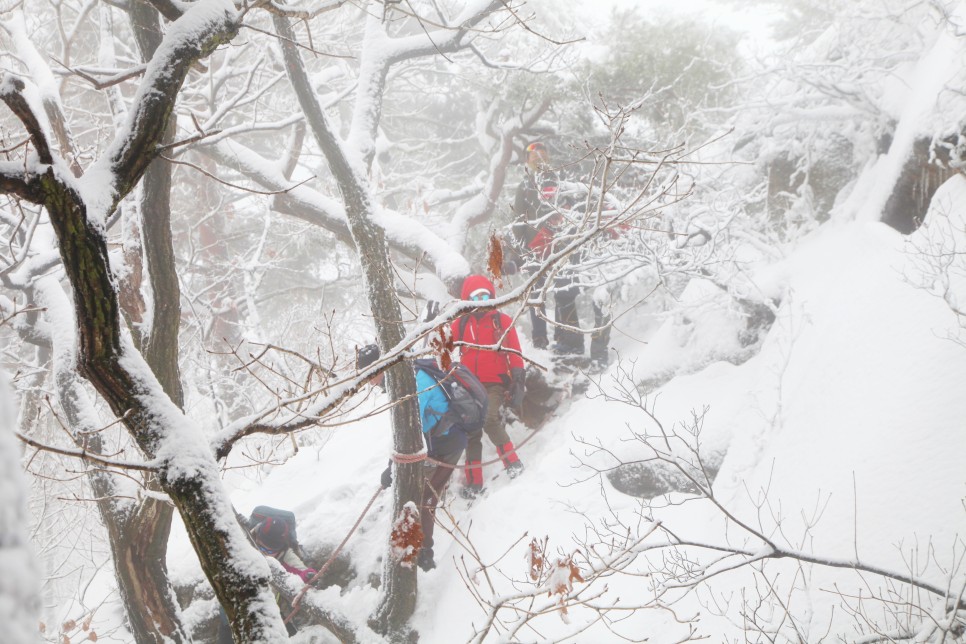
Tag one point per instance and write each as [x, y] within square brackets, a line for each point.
[457, 407]
[491, 378]
[490, 357]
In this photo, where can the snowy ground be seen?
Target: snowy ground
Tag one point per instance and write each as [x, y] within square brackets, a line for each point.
[843, 437]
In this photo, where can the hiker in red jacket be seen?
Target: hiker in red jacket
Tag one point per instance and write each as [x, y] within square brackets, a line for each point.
[500, 371]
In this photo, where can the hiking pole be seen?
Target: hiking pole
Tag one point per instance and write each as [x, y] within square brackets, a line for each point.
[296, 603]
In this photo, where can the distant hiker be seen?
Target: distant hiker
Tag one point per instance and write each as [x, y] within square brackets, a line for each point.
[500, 371]
[452, 407]
[273, 532]
[539, 205]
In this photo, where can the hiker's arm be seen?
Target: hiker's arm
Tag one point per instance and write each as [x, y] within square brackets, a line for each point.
[294, 564]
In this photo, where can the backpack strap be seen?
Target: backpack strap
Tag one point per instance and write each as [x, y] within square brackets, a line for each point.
[497, 323]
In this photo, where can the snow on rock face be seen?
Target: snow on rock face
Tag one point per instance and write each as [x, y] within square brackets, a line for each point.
[706, 327]
[938, 245]
[19, 577]
[856, 376]
[859, 413]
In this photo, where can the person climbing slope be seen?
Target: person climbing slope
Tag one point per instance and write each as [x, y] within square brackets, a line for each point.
[452, 408]
[539, 205]
[501, 372]
[273, 533]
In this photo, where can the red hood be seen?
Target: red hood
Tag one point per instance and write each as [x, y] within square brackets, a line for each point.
[475, 282]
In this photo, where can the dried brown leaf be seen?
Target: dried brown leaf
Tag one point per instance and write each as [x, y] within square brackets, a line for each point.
[407, 535]
[538, 557]
[441, 342]
[494, 262]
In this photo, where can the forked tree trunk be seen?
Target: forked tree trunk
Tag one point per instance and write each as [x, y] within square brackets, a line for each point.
[399, 579]
[185, 466]
[139, 538]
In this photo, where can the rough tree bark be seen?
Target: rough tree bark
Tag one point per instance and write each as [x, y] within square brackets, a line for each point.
[186, 468]
[399, 579]
[139, 538]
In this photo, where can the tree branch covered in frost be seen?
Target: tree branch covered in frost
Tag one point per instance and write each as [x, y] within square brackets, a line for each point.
[498, 140]
[380, 52]
[190, 38]
[77, 209]
[404, 234]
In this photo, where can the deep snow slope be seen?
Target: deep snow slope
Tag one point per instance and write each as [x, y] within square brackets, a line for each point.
[843, 438]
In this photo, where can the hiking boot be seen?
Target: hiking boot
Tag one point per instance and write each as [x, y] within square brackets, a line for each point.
[508, 455]
[540, 343]
[564, 349]
[425, 559]
[514, 469]
[470, 491]
[599, 364]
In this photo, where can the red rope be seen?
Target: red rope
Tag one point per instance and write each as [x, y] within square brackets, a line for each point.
[409, 458]
[396, 458]
[296, 603]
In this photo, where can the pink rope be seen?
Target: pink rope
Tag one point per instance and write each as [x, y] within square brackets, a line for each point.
[516, 448]
[297, 602]
[396, 458]
[409, 458]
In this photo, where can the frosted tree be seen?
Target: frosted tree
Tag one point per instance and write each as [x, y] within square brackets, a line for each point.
[78, 209]
[126, 311]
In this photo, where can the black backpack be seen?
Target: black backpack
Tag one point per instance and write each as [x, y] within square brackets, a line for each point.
[465, 393]
[268, 516]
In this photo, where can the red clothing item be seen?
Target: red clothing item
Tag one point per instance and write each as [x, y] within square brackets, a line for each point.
[486, 364]
[474, 283]
[486, 329]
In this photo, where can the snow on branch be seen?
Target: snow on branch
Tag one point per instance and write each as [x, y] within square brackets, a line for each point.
[445, 38]
[87, 455]
[478, 209]
[15, 180]
[380, 52]
[197, 33]
[46, 85]
[25, 104]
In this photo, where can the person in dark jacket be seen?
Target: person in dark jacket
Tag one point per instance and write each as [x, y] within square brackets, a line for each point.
[538, 203]
[501, 372]
[273, 539]
[445, 442]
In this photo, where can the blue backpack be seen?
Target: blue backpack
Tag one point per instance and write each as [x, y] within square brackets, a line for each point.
[465, 394]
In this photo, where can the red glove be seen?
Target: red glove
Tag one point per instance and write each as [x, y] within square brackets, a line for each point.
[306, 574]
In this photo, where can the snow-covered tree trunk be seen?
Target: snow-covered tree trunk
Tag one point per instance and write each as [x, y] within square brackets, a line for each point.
[399, 579]
[185, 466]
[139, 537]
[137, 530]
